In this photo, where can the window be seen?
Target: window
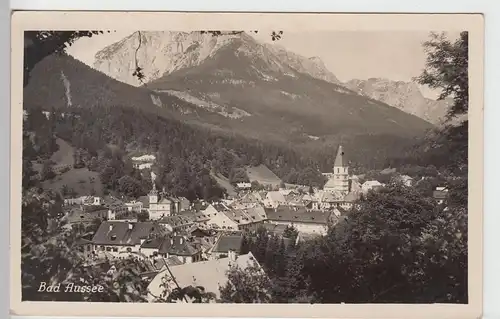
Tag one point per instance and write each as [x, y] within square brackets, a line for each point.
[338, 170]
[108, 248]
[129, 249]
[115, 249]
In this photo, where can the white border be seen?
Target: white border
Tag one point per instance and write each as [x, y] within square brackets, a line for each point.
[492, 76]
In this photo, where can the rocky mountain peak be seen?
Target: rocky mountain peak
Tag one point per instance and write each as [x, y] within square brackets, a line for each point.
[405, 96]
[160, 53]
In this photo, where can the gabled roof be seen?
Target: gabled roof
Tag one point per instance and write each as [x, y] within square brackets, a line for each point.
[209, 274]
[330, 183]
[119, 233]
[179, 246]
[340, 159]
[276, 196]
[247, 215]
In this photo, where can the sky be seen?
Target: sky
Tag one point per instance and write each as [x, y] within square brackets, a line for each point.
[394, 55]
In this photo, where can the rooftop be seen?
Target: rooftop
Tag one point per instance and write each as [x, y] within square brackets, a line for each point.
[298, 215]
[125, 233]
[226, 243]
[209, 274]
[179, 246]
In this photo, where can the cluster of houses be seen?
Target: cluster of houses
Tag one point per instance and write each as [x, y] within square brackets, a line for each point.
[196, 242]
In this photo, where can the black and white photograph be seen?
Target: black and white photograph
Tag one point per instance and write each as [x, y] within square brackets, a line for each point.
[233, 166]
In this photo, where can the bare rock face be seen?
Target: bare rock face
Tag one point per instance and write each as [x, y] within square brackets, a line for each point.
[252, 87]
[157, 53]
[312, 66]
[162, 53]
[405, 96]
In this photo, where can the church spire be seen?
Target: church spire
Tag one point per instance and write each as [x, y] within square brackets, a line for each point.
[340, 160]
[153, 190]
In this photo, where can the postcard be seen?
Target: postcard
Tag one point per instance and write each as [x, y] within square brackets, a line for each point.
[263, 165]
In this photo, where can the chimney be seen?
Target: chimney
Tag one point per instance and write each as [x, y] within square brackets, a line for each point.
[142, 241]
[110, 227]
[130, 226]
[181, 240]
[171, 241]
[232, 255]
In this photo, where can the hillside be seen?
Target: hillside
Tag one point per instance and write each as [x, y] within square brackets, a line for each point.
[78, 181]
[269, 96]
[292, 111]
[263, 175]
[62, 81]
[405, 96]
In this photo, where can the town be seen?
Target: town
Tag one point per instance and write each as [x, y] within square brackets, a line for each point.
[202, 237]
[232, 170]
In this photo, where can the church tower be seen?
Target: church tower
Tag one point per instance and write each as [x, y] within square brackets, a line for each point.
[341, 172]
[153, 195]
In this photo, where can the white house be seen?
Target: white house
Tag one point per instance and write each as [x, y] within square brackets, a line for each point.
[274, 199]
[121, 238]
[218, 219]
[144, 158]
[134, 206]
[142, 166]
[370, 185]
[84, 200]
[143, 162]
[243, 185]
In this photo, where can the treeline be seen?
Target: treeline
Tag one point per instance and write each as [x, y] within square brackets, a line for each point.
[186, 155]
[446, 149]
[399, 247]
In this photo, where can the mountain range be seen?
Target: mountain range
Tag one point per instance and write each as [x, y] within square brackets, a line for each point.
[257, 87]
[163, 53]
[405, 96]
[232, 85]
